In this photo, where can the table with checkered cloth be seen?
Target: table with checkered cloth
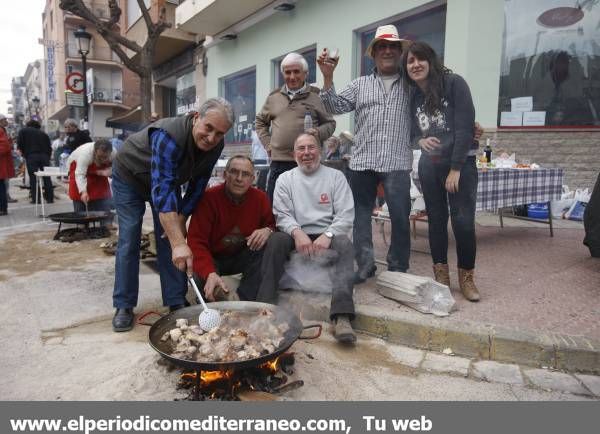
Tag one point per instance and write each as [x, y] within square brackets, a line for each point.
[499, 188]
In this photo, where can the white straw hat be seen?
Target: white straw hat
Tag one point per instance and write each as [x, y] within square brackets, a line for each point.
[388, 33]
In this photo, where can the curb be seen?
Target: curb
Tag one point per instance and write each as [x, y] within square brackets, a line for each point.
[473, 340]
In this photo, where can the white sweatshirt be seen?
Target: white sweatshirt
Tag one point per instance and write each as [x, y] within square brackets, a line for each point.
[316, 203]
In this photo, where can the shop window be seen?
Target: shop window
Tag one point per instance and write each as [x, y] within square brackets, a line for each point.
[185, 96]
[550, 73]
[428, 25]
[310, 54]
[240, 90]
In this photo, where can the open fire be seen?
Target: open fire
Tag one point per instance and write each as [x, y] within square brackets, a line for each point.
[230, 385]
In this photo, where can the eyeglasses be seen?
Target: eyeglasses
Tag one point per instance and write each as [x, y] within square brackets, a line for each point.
[309, 148]
[236, 172]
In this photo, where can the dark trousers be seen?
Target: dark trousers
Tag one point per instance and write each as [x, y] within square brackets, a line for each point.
[3, 197]
[248, 263]
[261, 182]
[277, 168]
[277, 252]
[34, 163]
[462, 210]
[396, 186]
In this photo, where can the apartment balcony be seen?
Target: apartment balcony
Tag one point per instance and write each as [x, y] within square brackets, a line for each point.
[98, 8]
[171, 42]
[107, 95]
[97, 56]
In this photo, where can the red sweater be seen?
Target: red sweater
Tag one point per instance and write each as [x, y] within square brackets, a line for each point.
[219, 227]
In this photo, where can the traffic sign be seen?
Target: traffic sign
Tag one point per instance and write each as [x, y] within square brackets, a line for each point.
[74, 82]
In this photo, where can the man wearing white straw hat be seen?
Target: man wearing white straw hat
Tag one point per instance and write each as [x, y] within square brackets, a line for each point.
[382, 151]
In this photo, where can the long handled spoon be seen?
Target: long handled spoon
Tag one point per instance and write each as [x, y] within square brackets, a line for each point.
[209, 318]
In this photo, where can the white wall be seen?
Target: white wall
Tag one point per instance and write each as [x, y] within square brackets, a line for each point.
[97, 120]
[474, 49]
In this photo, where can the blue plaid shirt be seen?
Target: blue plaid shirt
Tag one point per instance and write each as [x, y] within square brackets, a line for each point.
[166, 193]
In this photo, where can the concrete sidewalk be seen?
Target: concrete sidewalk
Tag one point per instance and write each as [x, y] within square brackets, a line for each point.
[540, 299]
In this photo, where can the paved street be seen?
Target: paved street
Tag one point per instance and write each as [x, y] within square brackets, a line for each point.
[61, 318]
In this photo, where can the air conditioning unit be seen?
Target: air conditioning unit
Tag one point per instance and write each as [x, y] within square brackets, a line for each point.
[100, 96]
[117, 97]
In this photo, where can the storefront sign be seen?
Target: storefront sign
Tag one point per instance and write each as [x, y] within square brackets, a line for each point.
[534, 119]
[51, 94]
[560, 17]
[511, 119]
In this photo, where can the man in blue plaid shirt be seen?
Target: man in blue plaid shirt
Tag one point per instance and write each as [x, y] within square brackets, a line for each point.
[151, 166]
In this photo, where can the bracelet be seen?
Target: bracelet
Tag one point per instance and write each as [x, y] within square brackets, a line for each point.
[269, 229]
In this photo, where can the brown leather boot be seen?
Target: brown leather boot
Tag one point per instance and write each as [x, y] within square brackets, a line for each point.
[467, 285]
[442, 274]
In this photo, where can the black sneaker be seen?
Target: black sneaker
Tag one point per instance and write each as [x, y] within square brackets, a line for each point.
[360, 276]
[123, 320]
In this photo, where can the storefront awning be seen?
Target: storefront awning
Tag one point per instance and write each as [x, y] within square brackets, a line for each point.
[130, 121]
[213, 16]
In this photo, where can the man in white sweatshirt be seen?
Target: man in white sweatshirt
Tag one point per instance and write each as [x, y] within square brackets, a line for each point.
[314, 210]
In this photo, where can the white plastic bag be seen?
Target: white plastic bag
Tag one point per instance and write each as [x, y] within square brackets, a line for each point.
[575, 212]
[561, 206]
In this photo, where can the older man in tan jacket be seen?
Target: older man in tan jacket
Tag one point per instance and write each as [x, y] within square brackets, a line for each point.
[281, 119]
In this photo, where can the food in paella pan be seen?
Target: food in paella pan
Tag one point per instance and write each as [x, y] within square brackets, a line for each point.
[241, 336]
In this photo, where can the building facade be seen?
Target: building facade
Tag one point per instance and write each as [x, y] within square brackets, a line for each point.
[533, 67]
[111, 89]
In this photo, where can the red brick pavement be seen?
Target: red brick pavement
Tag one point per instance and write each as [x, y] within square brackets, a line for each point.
[528, 280]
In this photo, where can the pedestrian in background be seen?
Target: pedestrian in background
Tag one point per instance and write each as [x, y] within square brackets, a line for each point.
[443, 118]
[35, 147]
[57, 147]
[75, 136]
[7, 169]
[259, 156]
[89, 169]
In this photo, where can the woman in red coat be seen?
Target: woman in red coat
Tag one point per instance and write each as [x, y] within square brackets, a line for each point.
[7, 169]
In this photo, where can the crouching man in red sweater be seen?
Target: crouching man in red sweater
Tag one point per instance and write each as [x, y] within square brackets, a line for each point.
[228, 231]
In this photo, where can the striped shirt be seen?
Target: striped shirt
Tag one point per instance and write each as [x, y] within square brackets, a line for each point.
[382, 132]
[166, 194]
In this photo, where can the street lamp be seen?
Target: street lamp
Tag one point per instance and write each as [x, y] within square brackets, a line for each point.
[83, 41]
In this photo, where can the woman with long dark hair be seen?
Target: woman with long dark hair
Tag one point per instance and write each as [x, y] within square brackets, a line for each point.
[443, 126]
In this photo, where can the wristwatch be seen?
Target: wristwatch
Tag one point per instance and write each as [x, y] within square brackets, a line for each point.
[328, 234]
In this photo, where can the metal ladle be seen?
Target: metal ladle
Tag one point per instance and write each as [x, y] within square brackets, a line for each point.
[208, 318]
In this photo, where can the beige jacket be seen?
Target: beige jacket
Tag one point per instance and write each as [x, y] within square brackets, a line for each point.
[281, 121]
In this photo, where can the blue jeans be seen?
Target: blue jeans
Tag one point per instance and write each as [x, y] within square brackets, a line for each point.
[130, 207]
[462, 210]
[396, 186]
